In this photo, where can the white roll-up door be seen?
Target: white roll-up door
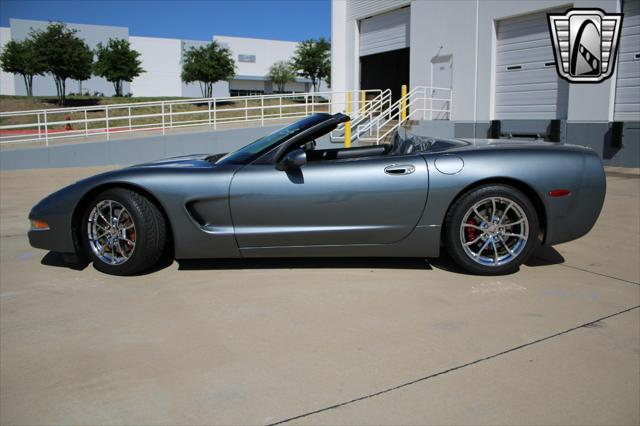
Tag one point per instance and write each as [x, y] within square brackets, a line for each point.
[527, 84]
[627, 104]
[385, 32]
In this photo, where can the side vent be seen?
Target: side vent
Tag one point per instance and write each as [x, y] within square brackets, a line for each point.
[193, 211]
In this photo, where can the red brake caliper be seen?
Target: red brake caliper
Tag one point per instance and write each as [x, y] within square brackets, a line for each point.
[471, 233]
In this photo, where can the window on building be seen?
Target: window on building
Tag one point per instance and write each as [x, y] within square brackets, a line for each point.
[236, 92]
[247, 58]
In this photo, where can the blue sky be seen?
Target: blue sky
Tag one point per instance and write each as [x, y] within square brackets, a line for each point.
[188, 19]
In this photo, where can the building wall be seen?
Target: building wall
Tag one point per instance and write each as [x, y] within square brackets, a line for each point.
[161, 59]
[7, 84]
[438, 38]
[92, 35]
[466, 30]
[265, 53]
[161, 62]
[587, 102]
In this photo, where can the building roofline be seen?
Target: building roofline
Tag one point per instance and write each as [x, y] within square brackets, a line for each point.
[255, 38]
[67, 23]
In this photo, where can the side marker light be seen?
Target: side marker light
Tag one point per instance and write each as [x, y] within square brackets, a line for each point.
[559, 193]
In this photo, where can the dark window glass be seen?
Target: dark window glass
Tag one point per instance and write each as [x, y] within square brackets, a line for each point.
[246, 58]
[254, 149]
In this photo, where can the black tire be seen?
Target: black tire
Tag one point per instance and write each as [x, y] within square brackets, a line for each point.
[453, 231]
[150, 233]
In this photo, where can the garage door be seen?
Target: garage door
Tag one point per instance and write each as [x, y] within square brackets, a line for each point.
[627, 106]
[385, 32]
[527, 84]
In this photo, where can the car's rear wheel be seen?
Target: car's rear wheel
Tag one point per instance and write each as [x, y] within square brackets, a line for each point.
[123, 233]
[491, 230]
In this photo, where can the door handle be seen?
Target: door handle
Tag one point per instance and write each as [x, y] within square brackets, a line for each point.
[399, 169]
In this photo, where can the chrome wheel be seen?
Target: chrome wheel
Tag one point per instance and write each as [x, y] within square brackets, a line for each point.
[111, 232]
[494, 231]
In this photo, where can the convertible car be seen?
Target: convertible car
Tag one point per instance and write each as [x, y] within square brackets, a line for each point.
[489, 203]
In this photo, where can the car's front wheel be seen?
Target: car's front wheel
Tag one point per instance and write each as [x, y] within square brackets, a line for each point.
[491, 230]
[123, 233]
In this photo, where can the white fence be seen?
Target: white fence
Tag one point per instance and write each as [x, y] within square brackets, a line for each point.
[373, 115]
[421, 103]
[42, 126]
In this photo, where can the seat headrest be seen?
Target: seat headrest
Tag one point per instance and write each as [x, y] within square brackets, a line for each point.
[407, 147]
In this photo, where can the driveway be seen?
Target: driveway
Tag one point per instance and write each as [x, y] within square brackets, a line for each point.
[362, 341]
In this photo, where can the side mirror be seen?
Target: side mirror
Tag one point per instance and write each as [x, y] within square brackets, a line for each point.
[294, 159]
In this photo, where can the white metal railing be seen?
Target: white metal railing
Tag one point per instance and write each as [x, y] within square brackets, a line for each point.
[44, 125]
[427, 103]
[363, 116]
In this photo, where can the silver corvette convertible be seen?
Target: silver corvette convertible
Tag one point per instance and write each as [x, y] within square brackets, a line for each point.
[489, 203]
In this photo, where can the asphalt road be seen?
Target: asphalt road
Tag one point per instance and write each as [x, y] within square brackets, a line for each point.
[366, 341]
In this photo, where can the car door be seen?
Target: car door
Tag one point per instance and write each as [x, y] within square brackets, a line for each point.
[374, 200]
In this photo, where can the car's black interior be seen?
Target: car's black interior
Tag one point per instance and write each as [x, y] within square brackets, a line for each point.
[403, 143]
[347, 153]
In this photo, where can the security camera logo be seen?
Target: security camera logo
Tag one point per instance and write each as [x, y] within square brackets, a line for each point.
[585, 43]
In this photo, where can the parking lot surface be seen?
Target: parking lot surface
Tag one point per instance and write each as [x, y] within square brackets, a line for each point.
[330, 341]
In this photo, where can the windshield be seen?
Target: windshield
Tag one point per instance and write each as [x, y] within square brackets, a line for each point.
[255, 149]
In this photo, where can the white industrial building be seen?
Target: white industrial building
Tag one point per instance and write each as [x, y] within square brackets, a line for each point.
[497, 58]
[161, 59]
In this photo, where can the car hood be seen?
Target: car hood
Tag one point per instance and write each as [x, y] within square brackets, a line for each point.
[184, 161]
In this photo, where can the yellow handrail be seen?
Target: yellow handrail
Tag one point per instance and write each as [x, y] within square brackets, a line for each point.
[347, 125]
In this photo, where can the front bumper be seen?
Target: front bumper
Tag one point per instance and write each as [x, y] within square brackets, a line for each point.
[59, 236]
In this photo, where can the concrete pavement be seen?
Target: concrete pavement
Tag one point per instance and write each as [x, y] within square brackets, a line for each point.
[363, 341]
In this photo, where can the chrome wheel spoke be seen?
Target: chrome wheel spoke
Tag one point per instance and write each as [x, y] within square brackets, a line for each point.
[126, 240]
[104, 228]
[120, 249]
[119, 216]
[517, 222]
[101, 215]
[99, 236]
[469, 225]
[475, 210]
[504, 213]
[508, 234]
[506, 247]
[484, 246]
[495, 252]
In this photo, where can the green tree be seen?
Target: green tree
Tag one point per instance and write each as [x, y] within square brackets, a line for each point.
[64, 55]
[117, 63]
[312, 60]
[281, 73]
[20, 57]
[207, 65]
